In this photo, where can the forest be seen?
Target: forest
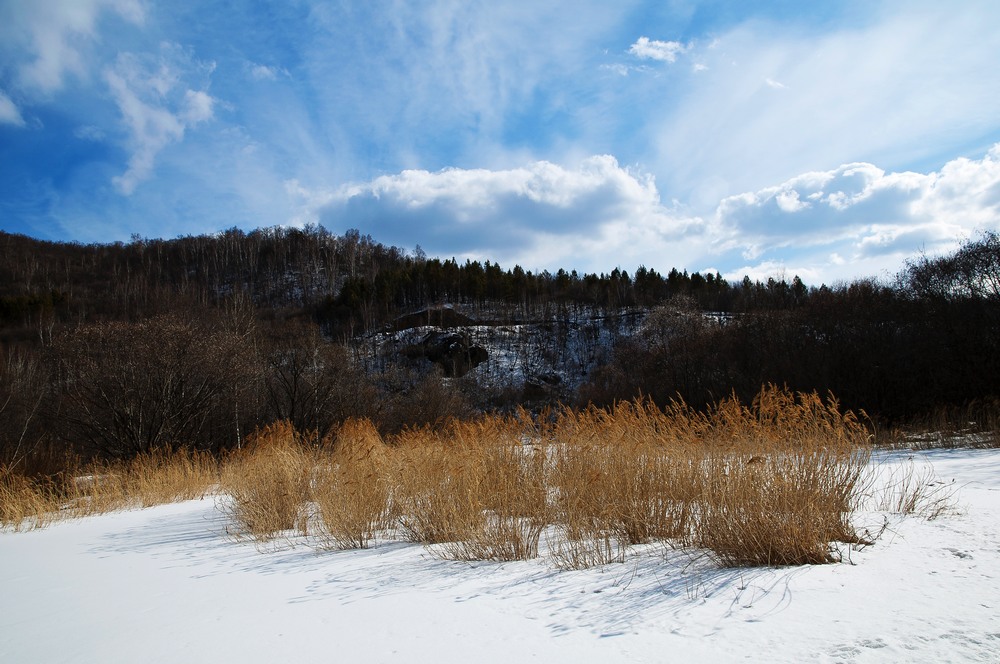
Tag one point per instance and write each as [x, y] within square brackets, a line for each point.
[112, 350]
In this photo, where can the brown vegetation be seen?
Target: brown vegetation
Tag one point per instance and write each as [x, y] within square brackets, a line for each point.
[98, 487]
[267, 483]
[773, 482]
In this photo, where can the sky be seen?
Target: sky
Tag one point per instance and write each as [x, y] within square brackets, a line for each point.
[829, 140]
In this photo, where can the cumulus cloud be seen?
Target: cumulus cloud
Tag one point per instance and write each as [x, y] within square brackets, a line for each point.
[156, 109]
[645, 48]
[541, 215]
[853, 220]
[860, 215]
[897, 88]
[9, 113]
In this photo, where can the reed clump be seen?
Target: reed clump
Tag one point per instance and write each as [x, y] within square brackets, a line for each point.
[781, 479]
[26, 503]
[267, 483]
[351, 489]
[623, 476]
[152, 478]
[509, 509]
[772, 482]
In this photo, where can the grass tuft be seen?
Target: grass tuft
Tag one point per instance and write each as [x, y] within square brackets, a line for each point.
[351, 489]
[268, 483]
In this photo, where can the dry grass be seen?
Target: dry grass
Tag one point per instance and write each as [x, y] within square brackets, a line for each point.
[268, 483]
[435, 487]
[97, 488]
[781, 479]
[621, 477]
[975, 425]
[26, 504]
[510, 507]
[774, 482]
[907, 491]
[351, 488]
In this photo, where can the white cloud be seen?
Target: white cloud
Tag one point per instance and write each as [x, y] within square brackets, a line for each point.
[154, 111]
[260, 72]
[851, 221]
[859, 216]
[541, 215]
[645, 48]
[55, 36]
[902, 86]
[197, 107]
[9, 113]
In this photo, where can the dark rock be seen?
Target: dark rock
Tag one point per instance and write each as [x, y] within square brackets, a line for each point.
[542, 387]
[452, 351]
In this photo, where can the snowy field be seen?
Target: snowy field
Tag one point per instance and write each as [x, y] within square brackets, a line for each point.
[167, 584]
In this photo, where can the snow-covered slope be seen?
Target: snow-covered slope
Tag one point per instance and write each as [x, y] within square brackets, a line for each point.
[168, 584]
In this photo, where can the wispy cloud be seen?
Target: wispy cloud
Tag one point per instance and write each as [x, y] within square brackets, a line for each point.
[9, 113]
[155, 107]
[260, 72]
[896, 89]
[55, 35]
[645, 48]
[89, 133]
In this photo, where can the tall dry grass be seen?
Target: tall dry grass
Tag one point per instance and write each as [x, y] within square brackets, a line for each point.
[510, 509]
[769, 483]
[780, 479]
[622, 477]
[476, 488]
[351, 488]
[774, 482]
[27, 503]
[148, 479]
[267, 483]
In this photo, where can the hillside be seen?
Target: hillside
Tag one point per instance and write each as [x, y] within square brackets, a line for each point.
[111, 350]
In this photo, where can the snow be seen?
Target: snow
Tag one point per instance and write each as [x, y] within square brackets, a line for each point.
[169, 584]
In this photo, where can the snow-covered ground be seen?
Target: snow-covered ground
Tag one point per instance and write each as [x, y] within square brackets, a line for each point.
[168, 584]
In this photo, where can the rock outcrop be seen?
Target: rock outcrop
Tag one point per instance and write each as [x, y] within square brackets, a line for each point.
[453, 351]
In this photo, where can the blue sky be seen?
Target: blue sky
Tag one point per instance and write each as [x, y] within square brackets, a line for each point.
[826, 139]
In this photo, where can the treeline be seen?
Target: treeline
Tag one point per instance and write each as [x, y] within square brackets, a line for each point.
[348, 284]
[114, 350]
[203, 379]
[899, 351]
